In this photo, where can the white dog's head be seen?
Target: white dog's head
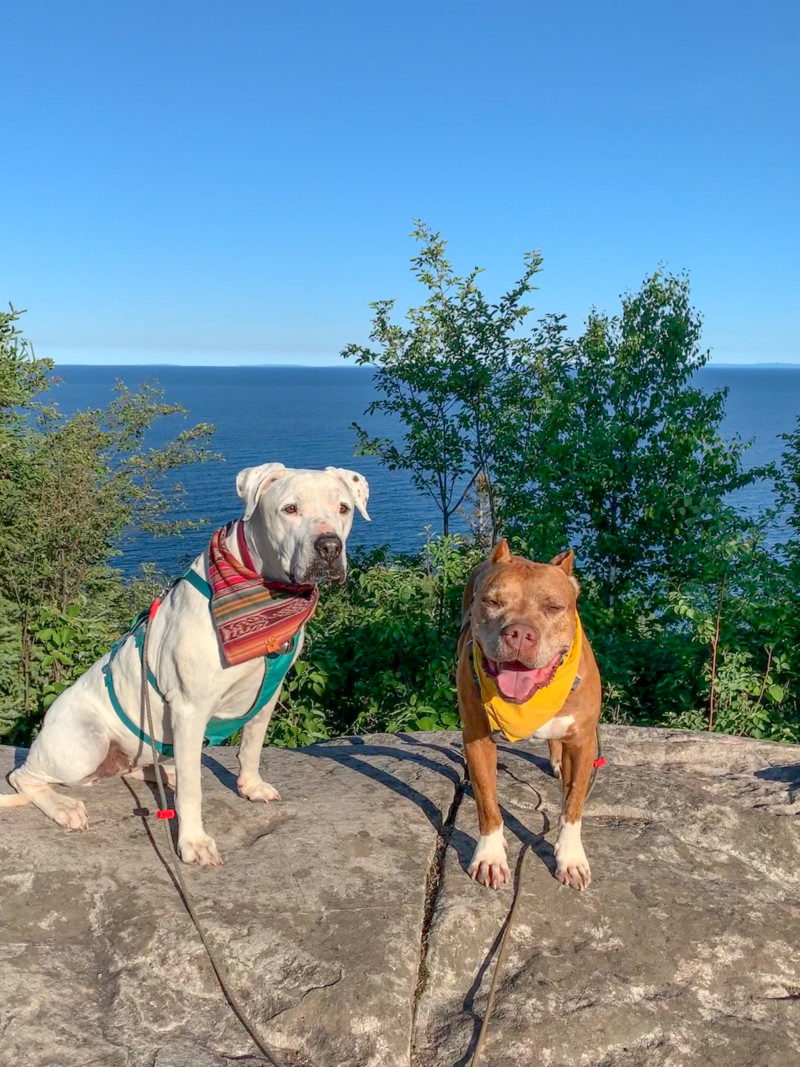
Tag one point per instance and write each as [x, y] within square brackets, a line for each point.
[298, 520]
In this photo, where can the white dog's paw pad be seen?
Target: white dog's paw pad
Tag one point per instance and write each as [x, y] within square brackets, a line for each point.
[488, 866]
[256, 789]
[70, 813]
[202, 851]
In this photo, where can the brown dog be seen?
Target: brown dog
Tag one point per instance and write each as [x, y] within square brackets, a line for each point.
[525, 669]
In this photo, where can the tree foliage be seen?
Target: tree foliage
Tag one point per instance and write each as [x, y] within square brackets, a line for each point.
[604, 442]
[448, 376]
[70, 489]
[623, 457]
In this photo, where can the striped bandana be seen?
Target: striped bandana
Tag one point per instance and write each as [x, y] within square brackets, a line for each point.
[253, 616]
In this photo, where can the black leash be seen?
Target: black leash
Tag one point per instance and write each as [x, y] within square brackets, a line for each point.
[519, 871]
[165, 816]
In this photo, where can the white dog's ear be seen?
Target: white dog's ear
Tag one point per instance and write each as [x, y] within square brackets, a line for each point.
[356, 484]
[252, 481]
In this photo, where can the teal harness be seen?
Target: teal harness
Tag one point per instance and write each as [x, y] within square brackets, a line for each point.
[217, 730]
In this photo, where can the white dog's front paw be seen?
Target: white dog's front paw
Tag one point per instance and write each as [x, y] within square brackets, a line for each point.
[201, 850]
[488, 865]
[572, 866]
[257, 789]
[70, 813]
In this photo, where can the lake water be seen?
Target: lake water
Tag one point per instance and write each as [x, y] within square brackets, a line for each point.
[302, 417]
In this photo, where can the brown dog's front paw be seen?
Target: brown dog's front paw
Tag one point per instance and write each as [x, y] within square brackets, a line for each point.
[490, 875]
[555, 768]
[576, 876]
[488, 865]
[572, 866]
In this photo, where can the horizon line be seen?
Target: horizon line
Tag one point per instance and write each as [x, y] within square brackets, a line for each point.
[712, 363]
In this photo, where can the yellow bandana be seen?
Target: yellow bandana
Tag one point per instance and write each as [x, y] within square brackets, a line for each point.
[518, 721]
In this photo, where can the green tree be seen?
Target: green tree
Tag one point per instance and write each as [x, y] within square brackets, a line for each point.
[782, 593]
[788, 498]
[70, 489]
[606, 443]
[624, 457]
[449, 376]
[621, 456]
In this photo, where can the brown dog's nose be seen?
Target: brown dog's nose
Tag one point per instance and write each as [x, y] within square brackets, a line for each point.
[329, 546]
[520, 635]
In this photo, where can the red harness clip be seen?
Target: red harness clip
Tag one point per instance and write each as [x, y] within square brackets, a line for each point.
[153, 609]
[601, 762]
[165, 813]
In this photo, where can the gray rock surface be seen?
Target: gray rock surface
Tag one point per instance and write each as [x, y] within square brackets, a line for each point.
[354, 937]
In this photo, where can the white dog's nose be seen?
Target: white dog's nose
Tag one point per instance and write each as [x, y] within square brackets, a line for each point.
[328, 546]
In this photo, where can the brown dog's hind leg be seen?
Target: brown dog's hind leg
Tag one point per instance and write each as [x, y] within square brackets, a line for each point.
[555, 757]
[572, 867]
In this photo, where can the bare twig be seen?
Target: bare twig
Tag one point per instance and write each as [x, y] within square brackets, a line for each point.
[764, 682]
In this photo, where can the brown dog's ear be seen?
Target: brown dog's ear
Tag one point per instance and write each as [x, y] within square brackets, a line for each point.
[501, 553]
[564, 560]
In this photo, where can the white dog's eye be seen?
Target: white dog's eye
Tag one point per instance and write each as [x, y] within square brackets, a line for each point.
[343, 509]
[290, 509]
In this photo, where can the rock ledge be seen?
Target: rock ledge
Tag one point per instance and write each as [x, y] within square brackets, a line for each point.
[356, 939]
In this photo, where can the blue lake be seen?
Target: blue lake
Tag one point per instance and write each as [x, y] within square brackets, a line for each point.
[302, 416]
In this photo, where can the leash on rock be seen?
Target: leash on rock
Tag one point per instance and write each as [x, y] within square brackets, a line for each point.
[165, 815]
[519, 872]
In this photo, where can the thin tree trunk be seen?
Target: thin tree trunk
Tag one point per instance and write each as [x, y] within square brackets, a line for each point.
[25, 645]
[764, 682]
[492, 508]
[484, 469]
[712, 696]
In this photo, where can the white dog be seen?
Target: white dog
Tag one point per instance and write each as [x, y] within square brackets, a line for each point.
[295, 526]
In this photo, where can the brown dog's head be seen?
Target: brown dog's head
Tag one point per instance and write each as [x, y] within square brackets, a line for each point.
[523, 618]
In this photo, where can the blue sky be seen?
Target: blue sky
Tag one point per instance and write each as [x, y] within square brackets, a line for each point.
[231, 183]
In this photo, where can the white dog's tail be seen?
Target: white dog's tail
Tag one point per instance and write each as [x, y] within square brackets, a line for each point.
[13, 800]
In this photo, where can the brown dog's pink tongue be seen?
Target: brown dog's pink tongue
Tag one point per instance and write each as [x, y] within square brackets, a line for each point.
[518, 685]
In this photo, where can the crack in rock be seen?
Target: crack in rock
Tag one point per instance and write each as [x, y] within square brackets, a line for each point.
[311, 989]
[433, 884]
